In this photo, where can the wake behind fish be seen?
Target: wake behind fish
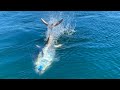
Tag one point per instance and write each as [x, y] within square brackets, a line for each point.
[46, 57]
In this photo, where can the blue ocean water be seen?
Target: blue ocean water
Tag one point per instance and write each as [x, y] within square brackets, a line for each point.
[92, 52]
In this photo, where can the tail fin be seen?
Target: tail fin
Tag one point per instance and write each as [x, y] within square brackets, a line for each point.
[54, 24]
[58, 22]
[44, 22]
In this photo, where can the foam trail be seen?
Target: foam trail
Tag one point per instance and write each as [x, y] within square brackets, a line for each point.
[43, 62]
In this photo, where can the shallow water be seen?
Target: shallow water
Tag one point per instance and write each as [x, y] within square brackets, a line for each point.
[93, 51]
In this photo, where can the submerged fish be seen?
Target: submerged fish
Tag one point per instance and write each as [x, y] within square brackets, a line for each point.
[45, 57]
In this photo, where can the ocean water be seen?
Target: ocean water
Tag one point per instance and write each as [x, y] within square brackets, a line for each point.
[91, 52]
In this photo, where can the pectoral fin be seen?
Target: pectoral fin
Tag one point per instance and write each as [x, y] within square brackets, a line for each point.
[40, 49]
[57, 46]
[38, 46]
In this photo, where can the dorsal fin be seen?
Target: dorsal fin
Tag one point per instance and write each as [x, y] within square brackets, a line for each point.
[44, 21]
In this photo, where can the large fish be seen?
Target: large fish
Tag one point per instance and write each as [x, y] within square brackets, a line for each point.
[45, 57]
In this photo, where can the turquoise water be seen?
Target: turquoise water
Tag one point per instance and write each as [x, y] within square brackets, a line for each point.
[91, 52]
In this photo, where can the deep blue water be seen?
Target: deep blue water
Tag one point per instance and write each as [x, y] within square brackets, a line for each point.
[92, 52]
